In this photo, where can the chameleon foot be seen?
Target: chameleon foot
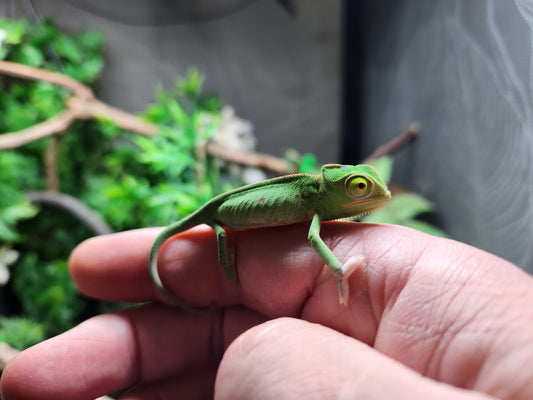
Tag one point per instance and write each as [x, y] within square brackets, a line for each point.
[348, 269]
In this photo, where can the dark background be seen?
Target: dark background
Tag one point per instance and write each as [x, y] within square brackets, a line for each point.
[338, 78]
[464, 70]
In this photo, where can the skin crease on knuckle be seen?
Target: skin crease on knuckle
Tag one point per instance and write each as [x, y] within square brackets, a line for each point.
[471, 295]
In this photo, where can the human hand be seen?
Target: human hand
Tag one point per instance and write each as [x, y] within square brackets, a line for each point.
[426, 317]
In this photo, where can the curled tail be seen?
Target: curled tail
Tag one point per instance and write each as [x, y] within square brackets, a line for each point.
[180, 226]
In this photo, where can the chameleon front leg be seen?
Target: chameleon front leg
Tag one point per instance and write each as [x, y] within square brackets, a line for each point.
[340, 271]
[224, 257]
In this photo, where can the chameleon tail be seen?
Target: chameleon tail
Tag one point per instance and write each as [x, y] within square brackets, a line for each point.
[180, 226]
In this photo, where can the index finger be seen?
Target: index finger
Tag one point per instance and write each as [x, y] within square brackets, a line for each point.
[115, 267]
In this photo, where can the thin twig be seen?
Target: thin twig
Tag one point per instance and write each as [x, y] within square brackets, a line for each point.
[54, 125]
[395, 143]
[50, 164]
[96, 109]
[83, 105]
[26, 72]
[7, 353]
[257, 160]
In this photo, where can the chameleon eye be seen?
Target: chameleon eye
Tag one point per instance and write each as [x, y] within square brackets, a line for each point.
[358, 186]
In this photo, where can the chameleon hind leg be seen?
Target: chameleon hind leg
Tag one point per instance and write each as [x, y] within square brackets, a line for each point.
[224, 257]
[341, 272]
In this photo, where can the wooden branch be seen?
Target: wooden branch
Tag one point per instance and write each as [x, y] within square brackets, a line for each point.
[37, 74]
[96, 109]
[395, 143]
[83, 105]
[54, 125]
[256, 160]
[7, 353]
[50, 164]
[73, 206]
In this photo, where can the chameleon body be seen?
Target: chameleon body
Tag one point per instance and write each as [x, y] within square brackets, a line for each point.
[340, 191]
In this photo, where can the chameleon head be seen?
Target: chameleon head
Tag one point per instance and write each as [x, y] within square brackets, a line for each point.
[354, 189]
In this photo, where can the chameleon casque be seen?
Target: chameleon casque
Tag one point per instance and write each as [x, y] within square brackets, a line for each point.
[340, 191]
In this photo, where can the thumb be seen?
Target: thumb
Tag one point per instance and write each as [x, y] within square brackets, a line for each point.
[293, 359]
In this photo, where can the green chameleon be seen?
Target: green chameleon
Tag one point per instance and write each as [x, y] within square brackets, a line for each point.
[340, 191]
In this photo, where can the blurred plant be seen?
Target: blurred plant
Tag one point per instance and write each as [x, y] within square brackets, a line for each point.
[8, 256]
[404, 208]
[20, 332]
[132, 182]
[151, 181]
[40, 281]
[17, 173]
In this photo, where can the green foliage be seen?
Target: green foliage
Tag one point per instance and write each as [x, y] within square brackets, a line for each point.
[40, 277]
[43, 45]
[153, 180]
[383, 166]
[303, 163]
[13, 205]
[133, 181]
[47, 294]
[20, 333]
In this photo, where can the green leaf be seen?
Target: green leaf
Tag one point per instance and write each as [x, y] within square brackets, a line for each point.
[46, 292]
[22, 210]
[14, 30]
[86, 72]
[7, 233]
[402, 210]
[92, 41]
[46, 98]
[191, 84]
[20, 333]
[3, 52]
[67, 48]
[408, 205]
[29, 54]
[425, 227]
[211, 104]
[401, 207]
[91, 69]
[42, 34]
[10, 215]
[17, 117]
[177, 112]
[383, 166]
[308, 164]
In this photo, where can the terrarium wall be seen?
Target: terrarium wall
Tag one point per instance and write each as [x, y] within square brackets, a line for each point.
[464, 71]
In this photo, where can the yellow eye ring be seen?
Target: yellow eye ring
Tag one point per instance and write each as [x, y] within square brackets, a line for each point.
[358, 186]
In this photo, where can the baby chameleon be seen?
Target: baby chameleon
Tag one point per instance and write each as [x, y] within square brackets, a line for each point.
[340, 191]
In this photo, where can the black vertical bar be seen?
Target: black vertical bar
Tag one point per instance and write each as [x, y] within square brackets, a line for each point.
[352, 80]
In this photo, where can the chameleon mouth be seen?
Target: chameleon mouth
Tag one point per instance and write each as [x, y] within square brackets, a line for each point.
[376, 203]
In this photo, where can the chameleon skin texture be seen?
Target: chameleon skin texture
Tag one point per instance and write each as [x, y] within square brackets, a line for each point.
[340, 191]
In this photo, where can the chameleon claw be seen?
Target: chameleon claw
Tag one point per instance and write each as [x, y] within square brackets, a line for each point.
[348, 269]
